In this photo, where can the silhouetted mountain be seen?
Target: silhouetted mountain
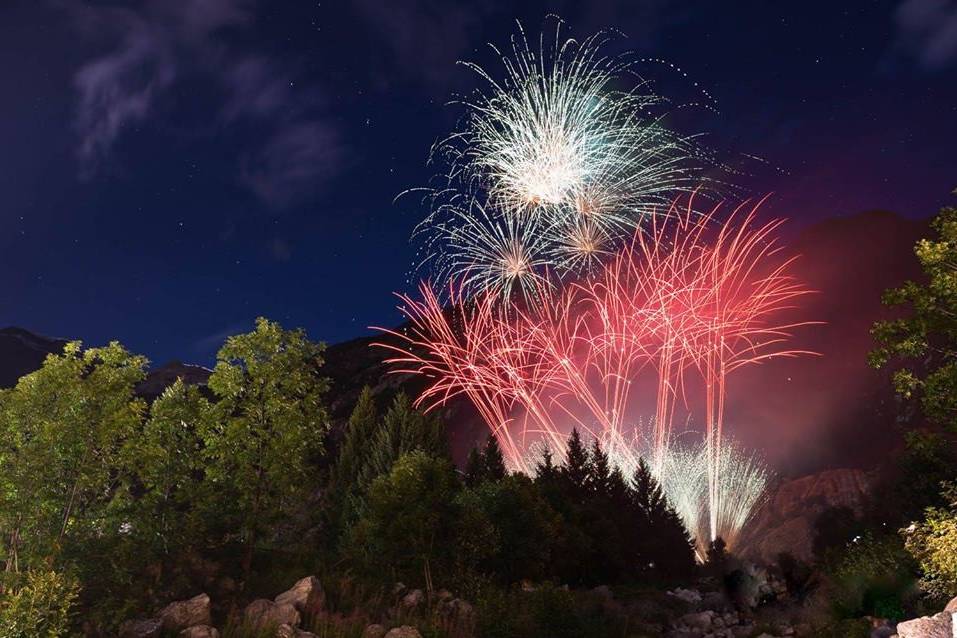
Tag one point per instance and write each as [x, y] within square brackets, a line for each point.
[22, 352]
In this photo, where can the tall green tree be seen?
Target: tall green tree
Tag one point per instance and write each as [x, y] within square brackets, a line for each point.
[270, 420]
[494, 460]
[922, 345]
[575, 470]
[408, 527]
[663, 546]
[64, 430]
[403, 429]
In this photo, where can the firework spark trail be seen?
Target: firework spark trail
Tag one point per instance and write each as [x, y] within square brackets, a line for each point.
[553, 168]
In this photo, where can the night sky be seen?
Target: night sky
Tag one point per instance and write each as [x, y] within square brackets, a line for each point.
[171, 169]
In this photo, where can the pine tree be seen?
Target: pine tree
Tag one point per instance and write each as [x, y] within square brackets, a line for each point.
[545, 470]
[599, 472]
[493, 460]
[355, 448]
[663, 545]
[474, 468]
[575, 470]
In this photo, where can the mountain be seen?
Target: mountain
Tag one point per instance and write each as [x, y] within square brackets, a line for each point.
[804, 414]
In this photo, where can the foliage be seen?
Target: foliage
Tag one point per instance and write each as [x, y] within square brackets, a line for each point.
[924, 343]
[65, 428]
[508, 529]
[874, 576]
[546, 611]
[39, 608]
[408, 526]
[270, 421]
[485, 465]
[933, 544]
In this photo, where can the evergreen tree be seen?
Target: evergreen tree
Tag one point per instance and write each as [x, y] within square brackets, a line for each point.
[575, 471]
[493, 460]
[403, 429]
[355, 448]
[599, 472]
[545, 470]
[474, 468]
[663, 545]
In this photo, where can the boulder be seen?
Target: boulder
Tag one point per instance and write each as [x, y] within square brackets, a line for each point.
[699, 620]
[306, 596]
[288, 631]
[374, 631]
[936, 626]
[182, 614]
[690, 596]
[151, 628]
[262, 613]
[413, 599]
[199, 631]
[444, 595]
[405, 631]
[951, 606]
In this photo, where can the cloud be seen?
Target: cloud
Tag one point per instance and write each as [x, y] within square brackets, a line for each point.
[163, 42]
[928, 31]
[292, 162]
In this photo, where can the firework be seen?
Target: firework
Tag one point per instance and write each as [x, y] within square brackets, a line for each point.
[553, 167]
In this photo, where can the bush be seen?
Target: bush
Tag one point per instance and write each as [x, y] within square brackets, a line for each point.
[874, 577]
[933, 544]
[40, 608]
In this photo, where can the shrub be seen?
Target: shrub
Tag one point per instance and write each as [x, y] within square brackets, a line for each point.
[875, 576]
[40, 608]
[933, 544]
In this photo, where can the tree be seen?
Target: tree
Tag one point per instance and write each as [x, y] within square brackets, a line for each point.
[356, 445]
[510, 527]
[402, 430]
[598, 470]
[64, 428]
[474, 467]
[485, 465]
[924, 343]
[575, 470]
[408, 526]
[493, 460]
[933, 544]
[270, 421]
[165, 501]
[663, 544]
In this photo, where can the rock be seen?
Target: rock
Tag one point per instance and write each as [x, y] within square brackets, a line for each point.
[398, 589]
[936, 626]
[413, 599]
[690, 596]
[405, 631]
[151, 628]
[700, 620]
[444, 595]
[306, 596]
[288, 631]
[262, 612]
[199, 631]
[182, 614]
[374, 631]
[785, 523]
[951, 606]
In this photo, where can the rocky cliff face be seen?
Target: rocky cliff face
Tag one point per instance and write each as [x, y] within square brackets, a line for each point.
[786, 521]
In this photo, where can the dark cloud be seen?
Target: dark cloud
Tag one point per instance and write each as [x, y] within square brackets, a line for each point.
[162, 42]
[928, 31]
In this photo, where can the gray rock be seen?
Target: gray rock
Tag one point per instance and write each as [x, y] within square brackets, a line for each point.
[936, 626]
[151, 628]
[199, 631]
[690, 596]
[288, 631]
[182, 614]
[413, 599]
[306, 596]
[262, 613]
[700, 620]
[405, 631]
[374, 631]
